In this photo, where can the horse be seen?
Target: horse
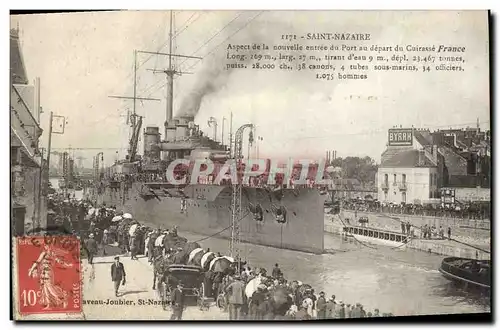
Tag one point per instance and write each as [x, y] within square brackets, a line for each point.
[160, 264]
[195, 256]
[162, 279]
[226, 265]
[182, 256]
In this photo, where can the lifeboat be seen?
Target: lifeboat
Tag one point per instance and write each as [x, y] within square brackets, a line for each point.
[468, 271]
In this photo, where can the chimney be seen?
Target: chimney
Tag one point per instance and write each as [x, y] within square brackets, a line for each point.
[435, 153]
[36, 110]
[421, 157]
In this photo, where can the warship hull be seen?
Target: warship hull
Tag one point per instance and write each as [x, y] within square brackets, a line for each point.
[206, 210]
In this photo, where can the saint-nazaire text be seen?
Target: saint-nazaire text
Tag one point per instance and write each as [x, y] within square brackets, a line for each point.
[340, 36]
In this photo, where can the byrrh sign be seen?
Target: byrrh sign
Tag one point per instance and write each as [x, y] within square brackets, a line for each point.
[400, 137]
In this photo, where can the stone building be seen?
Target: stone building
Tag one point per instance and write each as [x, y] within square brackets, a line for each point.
[417, 163]
[25, 131]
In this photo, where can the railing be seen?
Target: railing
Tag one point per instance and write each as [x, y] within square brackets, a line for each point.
[439, 213]
[377, 233]
[402, 186]
[384, 186]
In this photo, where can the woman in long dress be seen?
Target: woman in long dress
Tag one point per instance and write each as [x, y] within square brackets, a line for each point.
[52, 295]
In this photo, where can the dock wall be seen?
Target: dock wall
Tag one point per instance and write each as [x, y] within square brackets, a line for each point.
[384, 219]
[443, 247]
[440, 247]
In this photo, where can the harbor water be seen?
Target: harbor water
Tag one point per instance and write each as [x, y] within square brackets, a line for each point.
[394, 281]
[77, 194]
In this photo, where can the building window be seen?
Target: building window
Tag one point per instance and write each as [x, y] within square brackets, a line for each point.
[386, 179]
[394, 178]
[404, 178]
[403, 197]
[431, 194]
[385, 194]
[430, 179]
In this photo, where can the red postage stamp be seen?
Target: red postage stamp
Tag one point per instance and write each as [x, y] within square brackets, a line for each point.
[49, 278]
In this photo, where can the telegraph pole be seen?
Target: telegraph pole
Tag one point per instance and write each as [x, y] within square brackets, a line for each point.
[51, 131]
[222, 135]
[50, 140]
[231, 135]
[39, 206]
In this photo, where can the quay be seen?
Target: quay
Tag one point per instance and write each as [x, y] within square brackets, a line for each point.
[373, 235]
[389, 237]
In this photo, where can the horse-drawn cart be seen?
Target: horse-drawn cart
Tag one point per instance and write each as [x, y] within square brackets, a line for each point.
[191, 277]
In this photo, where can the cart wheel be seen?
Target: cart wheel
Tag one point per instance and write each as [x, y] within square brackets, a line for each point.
[167, 291]
[201, 298]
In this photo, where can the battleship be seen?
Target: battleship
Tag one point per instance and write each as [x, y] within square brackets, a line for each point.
[273, 215]
[280, 215]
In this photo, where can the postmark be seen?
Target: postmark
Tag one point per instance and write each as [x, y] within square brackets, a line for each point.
[49, 276]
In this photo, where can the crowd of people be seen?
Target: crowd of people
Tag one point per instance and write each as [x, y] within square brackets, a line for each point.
[276, 298]
[272, 297]
[472, 210]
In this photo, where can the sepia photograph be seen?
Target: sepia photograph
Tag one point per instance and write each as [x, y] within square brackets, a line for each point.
[250, 165]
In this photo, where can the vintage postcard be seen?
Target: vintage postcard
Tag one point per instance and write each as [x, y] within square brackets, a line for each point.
[250, 165]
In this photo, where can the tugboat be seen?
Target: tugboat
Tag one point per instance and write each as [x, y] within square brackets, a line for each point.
[467, 271]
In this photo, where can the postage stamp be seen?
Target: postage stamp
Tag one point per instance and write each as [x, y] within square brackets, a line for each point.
[250, 165]
[49, 277]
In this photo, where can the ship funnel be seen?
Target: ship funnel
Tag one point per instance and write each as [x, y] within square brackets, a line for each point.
[182, 127]
[151, 141]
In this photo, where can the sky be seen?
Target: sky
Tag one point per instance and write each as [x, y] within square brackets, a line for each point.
[83, 58]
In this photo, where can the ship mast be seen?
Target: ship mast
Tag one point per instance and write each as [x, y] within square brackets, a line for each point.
[132, 149]
[170, 71]
[170, 78]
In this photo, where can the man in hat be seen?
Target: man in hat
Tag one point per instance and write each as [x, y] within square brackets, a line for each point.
[91, 248]
[235, 290]
[276, 271]
[321, 306]
[330, 308]
[258, 298]
[340, 310]
[177, 299]
[348, 311]
[117, 274]
[146, 245]
[356, 311]
[307, 302]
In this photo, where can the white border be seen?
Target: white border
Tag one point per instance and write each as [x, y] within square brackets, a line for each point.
[192, 4]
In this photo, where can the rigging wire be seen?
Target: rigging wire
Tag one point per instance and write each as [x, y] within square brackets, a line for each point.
[213, 50]
[232, 35]
[192, 54]
[215, 35]
[149, 57]
[224, 229]
[159, 49]
[188, 24]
